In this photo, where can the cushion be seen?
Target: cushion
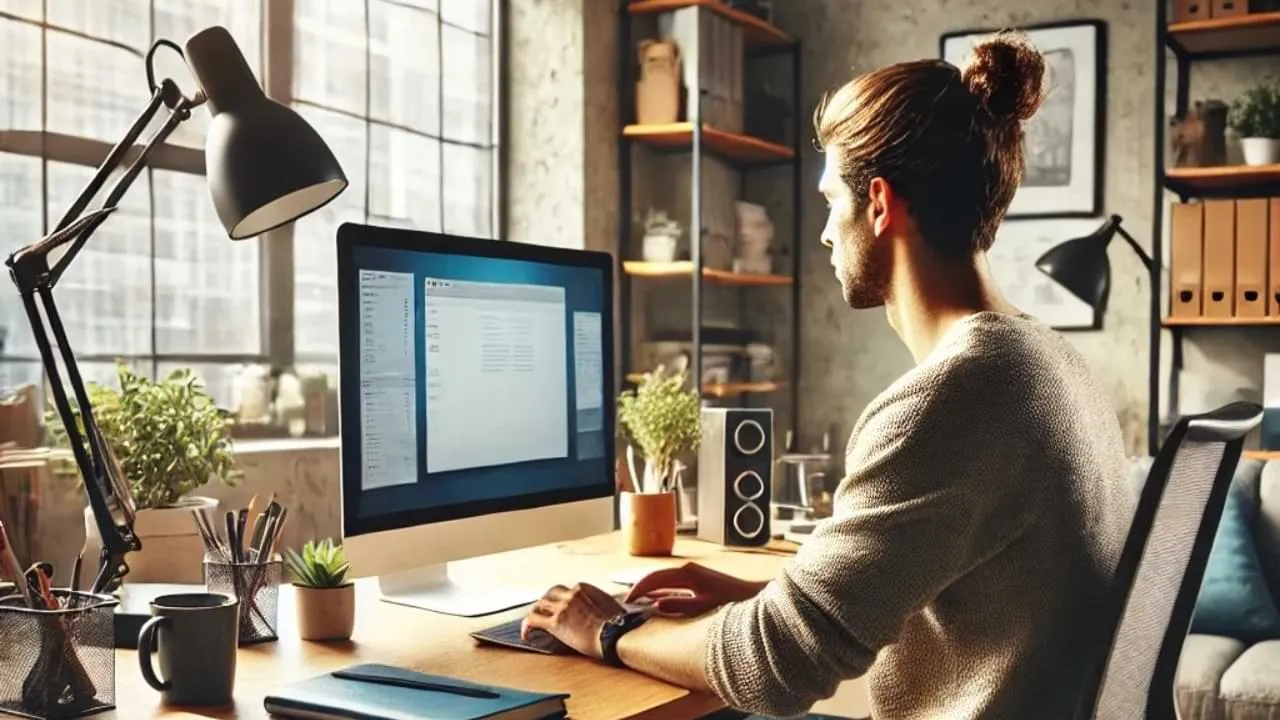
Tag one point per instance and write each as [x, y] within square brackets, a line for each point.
[1250, 688]
[1200, 668]
[1234, 599]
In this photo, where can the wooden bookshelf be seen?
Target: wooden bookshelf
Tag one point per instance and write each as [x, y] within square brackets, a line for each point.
[684, 269]
[755, 31]
[1256, 32]
[742, 148]
[1220, 178]
[723, 390]
[1210, 322]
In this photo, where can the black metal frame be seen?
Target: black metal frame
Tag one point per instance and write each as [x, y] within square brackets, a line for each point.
[626, 106]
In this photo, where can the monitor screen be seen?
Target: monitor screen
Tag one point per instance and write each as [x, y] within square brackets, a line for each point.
[474, 377]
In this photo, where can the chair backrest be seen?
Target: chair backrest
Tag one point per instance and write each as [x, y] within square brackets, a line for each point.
[1158, 575]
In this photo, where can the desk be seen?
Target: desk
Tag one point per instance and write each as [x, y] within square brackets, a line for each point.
[439, 644]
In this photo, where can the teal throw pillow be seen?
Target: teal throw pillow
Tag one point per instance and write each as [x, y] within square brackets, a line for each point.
[1234, 600]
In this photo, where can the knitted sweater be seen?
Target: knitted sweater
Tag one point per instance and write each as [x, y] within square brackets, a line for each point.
[981, 516]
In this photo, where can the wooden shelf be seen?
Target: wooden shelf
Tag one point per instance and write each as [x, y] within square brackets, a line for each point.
[755, 32]
[742, 148]
[684, 269]
[721, 390]
[1234, 322]
[1262, 454]
[1221, 178]
[1254, 33]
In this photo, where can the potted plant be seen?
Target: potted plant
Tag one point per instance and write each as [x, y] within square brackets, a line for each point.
[662, 418]
[170, 440]
[326, 601]
[661, 237]
[1255, 116]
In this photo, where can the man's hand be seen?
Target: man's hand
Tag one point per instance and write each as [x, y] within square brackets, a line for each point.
[574, 616]
[691, 590]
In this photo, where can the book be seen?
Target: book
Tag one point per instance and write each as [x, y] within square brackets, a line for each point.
[371, 691]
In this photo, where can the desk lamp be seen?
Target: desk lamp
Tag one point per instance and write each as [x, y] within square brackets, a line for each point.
[266, 167]
[1081, 265]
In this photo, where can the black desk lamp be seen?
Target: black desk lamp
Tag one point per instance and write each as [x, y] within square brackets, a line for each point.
[1081, 265]
[266, 167]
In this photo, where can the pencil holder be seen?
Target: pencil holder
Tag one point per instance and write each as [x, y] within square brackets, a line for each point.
[57, 664]
[257, 586]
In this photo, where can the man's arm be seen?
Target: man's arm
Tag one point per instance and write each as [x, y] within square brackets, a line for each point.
[669, 649]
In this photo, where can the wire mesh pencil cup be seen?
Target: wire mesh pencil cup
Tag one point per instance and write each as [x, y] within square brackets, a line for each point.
[257, 586]
[57, 664]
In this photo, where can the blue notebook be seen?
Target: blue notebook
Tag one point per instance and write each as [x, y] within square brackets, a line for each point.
[371, 691]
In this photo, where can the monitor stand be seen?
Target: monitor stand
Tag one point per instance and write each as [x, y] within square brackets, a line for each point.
[430, 588]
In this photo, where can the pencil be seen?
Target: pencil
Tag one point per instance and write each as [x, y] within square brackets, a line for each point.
[9, 563]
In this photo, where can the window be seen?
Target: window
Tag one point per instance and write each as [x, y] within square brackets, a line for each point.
[399, 89]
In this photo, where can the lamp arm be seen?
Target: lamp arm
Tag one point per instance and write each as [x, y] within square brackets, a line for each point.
[1147, 262]
[106, 488]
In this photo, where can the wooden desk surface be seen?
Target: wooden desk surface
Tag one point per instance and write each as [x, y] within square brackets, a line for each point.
[434, 643]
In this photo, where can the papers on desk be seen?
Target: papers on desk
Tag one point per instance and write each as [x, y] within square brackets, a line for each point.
[371, 691]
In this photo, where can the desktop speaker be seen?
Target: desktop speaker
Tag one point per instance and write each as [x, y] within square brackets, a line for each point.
[735, 475]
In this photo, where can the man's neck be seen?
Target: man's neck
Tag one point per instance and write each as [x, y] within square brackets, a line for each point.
[926, 299]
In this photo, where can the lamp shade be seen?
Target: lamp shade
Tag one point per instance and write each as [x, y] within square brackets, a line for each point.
[1081, 265]
[266, 166]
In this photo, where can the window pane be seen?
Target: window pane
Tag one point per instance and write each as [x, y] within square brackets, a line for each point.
[329, 53]
[20, 225]
[404, 75]
[19, 76]
[404, 177]
[219, 378]
[315, 281]
[473, 15]
[178, 20]
[105, 296]
[14, 375]
[23, 8]
[206, 285]
[467, 87]
[122, 21]
[95, 90]
[468, 200]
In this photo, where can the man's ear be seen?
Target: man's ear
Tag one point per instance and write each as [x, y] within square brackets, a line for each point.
[880, 202]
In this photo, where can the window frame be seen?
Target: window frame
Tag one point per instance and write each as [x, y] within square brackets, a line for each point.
[276, 250]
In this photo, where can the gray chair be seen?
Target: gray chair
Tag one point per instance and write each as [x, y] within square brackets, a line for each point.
[1158, 576]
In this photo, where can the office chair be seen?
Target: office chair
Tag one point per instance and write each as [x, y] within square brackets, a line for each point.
[1158, 576]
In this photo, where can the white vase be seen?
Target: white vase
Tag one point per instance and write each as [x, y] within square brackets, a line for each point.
[1260, 151]
[172, 551]
[659, 248]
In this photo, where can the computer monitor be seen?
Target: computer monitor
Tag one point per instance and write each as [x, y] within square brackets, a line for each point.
[476, 407]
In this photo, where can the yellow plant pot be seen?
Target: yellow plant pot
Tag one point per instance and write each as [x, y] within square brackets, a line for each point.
[649, 522]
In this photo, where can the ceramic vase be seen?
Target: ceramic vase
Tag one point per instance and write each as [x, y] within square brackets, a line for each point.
[326, 613]
[649, 522]
[1260, 151]
[172, 551]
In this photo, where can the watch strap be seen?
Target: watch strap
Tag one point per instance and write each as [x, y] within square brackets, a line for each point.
[613, 631]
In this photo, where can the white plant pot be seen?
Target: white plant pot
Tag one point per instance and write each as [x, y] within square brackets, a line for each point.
[1260, 151]
[172, 551]
[659, 248]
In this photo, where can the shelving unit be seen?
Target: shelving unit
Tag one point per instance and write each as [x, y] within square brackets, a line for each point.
[693, 137]
[1214, 39]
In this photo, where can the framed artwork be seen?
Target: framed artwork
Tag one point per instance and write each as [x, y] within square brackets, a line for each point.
[1064, 140]
[1012, 259]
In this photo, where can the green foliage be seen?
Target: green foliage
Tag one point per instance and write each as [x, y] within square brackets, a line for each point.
[662, 417]
[1256, 113]
[321, 565]
[169, 436]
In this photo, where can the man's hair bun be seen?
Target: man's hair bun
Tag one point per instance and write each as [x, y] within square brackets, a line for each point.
[1006, 74]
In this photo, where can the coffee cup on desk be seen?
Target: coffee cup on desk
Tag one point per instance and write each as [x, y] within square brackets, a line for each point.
[194, 638]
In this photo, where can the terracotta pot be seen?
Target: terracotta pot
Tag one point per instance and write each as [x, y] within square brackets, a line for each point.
[326, 613]
[649, 522]
[172, 551]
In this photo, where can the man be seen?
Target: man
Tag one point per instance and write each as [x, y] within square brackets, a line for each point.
[983, 509]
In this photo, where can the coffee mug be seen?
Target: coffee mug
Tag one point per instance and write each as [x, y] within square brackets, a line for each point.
[197, 635]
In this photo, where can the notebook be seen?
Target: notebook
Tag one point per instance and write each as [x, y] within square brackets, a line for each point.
[383, 692]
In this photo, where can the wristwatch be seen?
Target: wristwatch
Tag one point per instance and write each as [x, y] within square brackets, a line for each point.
[612, 632]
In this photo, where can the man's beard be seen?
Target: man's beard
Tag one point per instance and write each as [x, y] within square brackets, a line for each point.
[866, 267]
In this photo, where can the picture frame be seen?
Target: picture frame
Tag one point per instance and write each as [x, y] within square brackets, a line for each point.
[1012, 258]
[1065, 139]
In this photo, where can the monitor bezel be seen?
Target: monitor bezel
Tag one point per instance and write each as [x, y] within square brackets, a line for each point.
[352, 235]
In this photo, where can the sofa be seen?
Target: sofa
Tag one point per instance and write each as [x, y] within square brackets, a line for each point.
[1230, 663]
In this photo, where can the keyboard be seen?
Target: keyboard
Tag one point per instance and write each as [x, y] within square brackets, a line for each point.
[507, 634]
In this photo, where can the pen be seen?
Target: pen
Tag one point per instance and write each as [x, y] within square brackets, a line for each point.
[416, 684]
[9, 563]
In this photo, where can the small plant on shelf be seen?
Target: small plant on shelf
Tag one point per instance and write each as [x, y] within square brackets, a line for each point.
[661, 236]
[325, 598]
[662, 418]
[1255, 116]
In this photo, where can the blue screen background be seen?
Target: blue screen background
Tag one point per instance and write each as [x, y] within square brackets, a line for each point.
[584, 292]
